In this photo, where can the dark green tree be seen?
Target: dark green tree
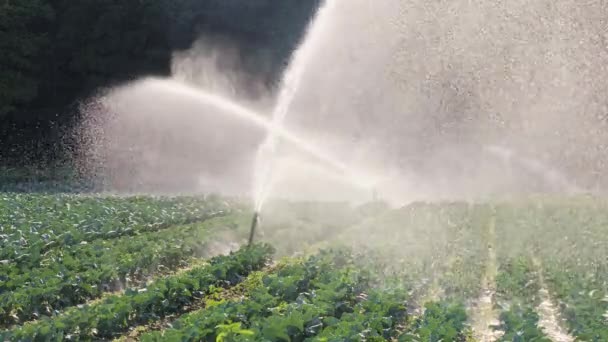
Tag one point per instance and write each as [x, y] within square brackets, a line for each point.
[23, 38]
[56, 52]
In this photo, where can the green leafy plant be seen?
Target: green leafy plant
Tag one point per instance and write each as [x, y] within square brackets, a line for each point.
[441, 321]
[117, 313]
[230, 332]
[521, 325]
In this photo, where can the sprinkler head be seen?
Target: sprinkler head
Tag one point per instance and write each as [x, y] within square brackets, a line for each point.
[254, 224]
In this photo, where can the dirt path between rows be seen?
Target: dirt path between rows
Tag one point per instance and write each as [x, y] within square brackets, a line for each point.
[484, 316]
[548, 313]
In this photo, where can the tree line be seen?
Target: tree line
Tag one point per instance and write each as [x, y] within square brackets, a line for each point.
[54, 52]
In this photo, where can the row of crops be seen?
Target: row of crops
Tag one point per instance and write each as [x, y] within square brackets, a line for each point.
[566, 244]
[61, 251]
[328, 296]
[33, 224]
[425, 272]
[115, 314]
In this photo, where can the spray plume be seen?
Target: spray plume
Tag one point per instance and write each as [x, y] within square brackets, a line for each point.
[410, 92]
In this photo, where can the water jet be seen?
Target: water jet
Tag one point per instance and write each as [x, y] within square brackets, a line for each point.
[290, 84]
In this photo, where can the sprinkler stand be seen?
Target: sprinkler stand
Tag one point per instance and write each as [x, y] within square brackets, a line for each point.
[254, 224]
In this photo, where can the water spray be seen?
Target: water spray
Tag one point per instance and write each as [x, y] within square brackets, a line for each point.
[547, 173]
[254, 223]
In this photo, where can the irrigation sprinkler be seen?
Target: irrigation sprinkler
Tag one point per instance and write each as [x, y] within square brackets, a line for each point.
[254, 224]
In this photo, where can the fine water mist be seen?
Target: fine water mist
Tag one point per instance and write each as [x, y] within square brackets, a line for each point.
[420, 88]
[400, 99]
[174, 135]
[133, 108]
[266, 161]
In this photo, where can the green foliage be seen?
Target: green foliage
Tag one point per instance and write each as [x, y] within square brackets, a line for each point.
[333, 295]
[568, 237]
[374, 318]
[518, 283]
[87, 271]
[230, 332]
[53, 179]
[521, 325]
[518, 279]
[292, 304]
[22, 38]
[117, 313]
[31, 225]
[584, 301]
[59, 251]
[441, 321]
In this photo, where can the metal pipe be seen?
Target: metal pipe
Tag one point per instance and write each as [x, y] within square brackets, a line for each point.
[254, 224]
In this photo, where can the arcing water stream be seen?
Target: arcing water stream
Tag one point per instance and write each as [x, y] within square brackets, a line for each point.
[415, 90]
[271, 128]
[423, 87]
[370, 72]
[266, 156]
[545, 172]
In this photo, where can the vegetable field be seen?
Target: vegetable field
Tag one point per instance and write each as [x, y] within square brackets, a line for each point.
[159, 269]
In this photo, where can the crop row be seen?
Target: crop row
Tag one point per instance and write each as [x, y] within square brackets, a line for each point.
[442, 321]
[518, 291]
[328, 297]
[115, 314]
[570, 241]
[577, 272]
[76, 274]
[461, 276]
[440, 253]
[319, 299]
[583, 300]
[31, 225]
[426, 242]
[573, 254]
[452, 244]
